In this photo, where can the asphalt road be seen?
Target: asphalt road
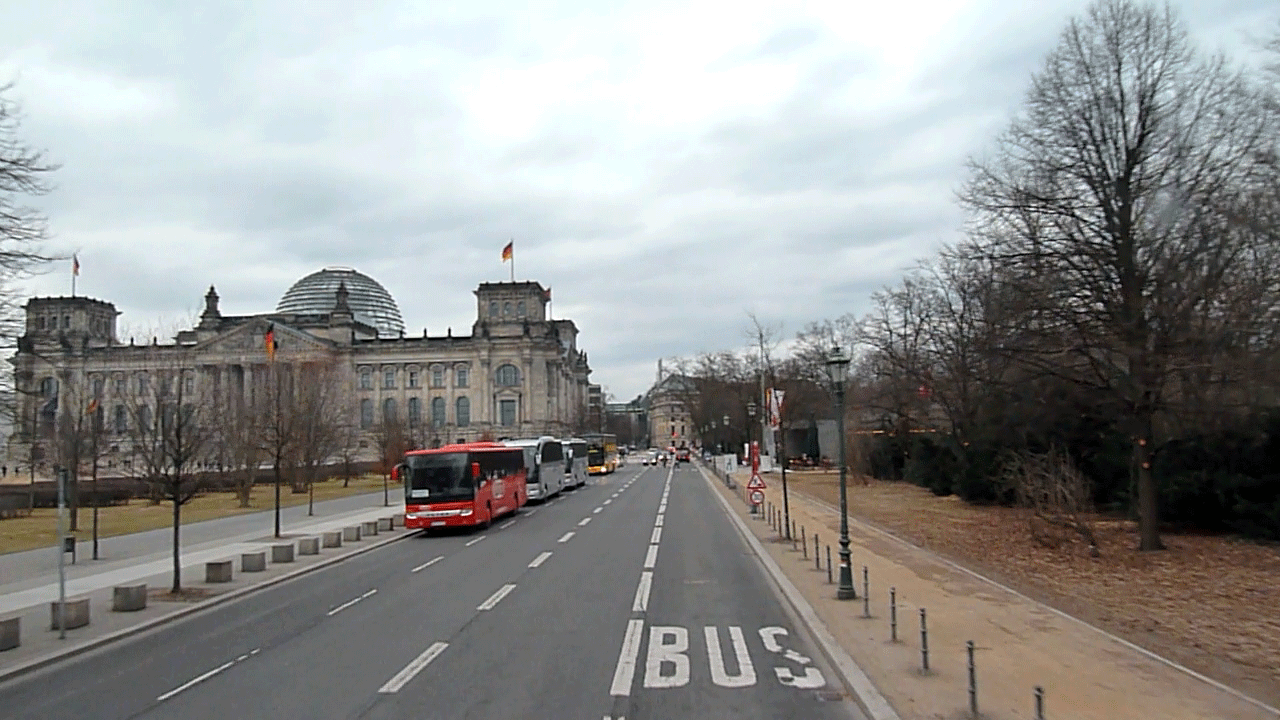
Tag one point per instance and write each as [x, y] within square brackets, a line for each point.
[632, 597]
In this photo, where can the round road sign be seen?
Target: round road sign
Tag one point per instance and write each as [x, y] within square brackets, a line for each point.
[757, 497]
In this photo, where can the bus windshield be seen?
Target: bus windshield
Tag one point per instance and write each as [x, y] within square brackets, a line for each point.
[438, 477]
[595, 452]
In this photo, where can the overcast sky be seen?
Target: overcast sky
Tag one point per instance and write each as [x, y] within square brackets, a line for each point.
[666, 167]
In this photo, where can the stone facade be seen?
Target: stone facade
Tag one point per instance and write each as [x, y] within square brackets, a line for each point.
[517, 374]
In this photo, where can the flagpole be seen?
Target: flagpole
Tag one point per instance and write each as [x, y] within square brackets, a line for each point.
[74, 272]
[513, 259]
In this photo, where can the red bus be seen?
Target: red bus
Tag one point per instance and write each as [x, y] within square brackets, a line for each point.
[462, 485]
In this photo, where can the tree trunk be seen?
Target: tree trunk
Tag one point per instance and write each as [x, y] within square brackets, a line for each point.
[177, 525]
[73, 499]
[1148, 493]
[276, 477]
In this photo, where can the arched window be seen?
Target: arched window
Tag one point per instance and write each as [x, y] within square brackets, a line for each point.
[389, 411]
[437, 411]
[520, 308]
[122, 420]
[460, 374]
[462, 411]
[388, 378]
[144, 418]
[49, 388]
[366, 379]
[366, 413]
[506, 308]
[508, 376]
[493, 309]
[415, 412]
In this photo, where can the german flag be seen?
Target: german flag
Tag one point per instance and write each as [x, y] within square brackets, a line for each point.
[271, 342]
[93, 407]
[509, 251]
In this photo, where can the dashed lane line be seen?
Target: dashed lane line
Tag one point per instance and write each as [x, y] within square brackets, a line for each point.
[540, 559]
[414, 667]
[427, 564]
[656, 536]
[651, 557]
[205, 676]
[349, 603]
[506, 524]
[597, 510]
[625, 671]
[473, 541]
[565, 537]
[641, 603]
[496, 597]
[584, 521]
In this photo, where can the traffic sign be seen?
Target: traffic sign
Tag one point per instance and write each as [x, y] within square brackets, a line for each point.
[757, 497]
[757, 483]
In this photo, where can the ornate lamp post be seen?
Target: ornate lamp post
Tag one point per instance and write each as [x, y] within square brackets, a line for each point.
[837, 368]
[751, 418]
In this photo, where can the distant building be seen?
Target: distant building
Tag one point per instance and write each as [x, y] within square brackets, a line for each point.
[667, 411]
[517, 374]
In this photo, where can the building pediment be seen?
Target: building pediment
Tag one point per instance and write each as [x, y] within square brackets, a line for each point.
[250, 339]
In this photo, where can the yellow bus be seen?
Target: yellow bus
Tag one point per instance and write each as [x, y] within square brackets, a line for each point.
[602, 453]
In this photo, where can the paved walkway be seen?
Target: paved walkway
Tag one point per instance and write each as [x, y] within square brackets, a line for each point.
[1020, 644]
[30, 578]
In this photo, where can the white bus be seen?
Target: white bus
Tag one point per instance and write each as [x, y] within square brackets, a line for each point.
[544, 461]
[575, 462]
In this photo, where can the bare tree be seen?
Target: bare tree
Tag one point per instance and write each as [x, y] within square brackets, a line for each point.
[279, 421]
[392, 437]
[1119, 204]
[172, 416]
[1058, 495]
[23, 229]
[319, 400]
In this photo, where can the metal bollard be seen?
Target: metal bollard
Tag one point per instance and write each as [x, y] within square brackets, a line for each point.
[893, 614]
[817, 556]
[804, 543]
[924, 643]
[793, 534]
[828, 564]
[1039, 703]
[973, 680]
[866, 593]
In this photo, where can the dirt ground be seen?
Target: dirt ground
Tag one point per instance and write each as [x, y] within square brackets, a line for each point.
[1211, 603]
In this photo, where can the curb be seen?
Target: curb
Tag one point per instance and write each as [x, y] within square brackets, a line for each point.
[1150, 655]
[863, 690]
[88, 645]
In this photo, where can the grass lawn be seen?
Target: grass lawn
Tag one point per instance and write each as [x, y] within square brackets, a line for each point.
[41, 528]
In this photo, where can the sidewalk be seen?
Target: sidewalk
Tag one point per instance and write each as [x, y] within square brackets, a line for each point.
[1019, 643]
[145, 558]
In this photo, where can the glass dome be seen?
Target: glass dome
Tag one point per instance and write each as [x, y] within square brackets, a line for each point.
[369, 301]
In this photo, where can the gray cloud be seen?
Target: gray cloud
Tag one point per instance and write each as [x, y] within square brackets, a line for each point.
[665, 168]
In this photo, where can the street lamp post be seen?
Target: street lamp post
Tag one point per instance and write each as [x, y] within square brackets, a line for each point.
[725, 433]
[837, 367]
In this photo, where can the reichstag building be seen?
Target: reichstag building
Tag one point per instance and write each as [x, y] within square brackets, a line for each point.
[518, 373]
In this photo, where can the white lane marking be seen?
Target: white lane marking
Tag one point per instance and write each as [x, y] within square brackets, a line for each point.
[719, 675]
[496, 598]
[662, 508]
[626, 668]
[506, 524]
[565, 537]
[667, 646]
[349, 603]
[658, 522]
[414, 667]
[427, 564]
[812, 677]
[531, 512]
[641, 603]
[476, 540]
[584, 521]
[651, 557]
[597, 510]
[205, 676]
[607, 501]
[656, 537]
[540, 559]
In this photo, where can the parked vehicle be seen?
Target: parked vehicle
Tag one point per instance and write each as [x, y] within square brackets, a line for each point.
[575, 462]
[544, 464]
[462, 485]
